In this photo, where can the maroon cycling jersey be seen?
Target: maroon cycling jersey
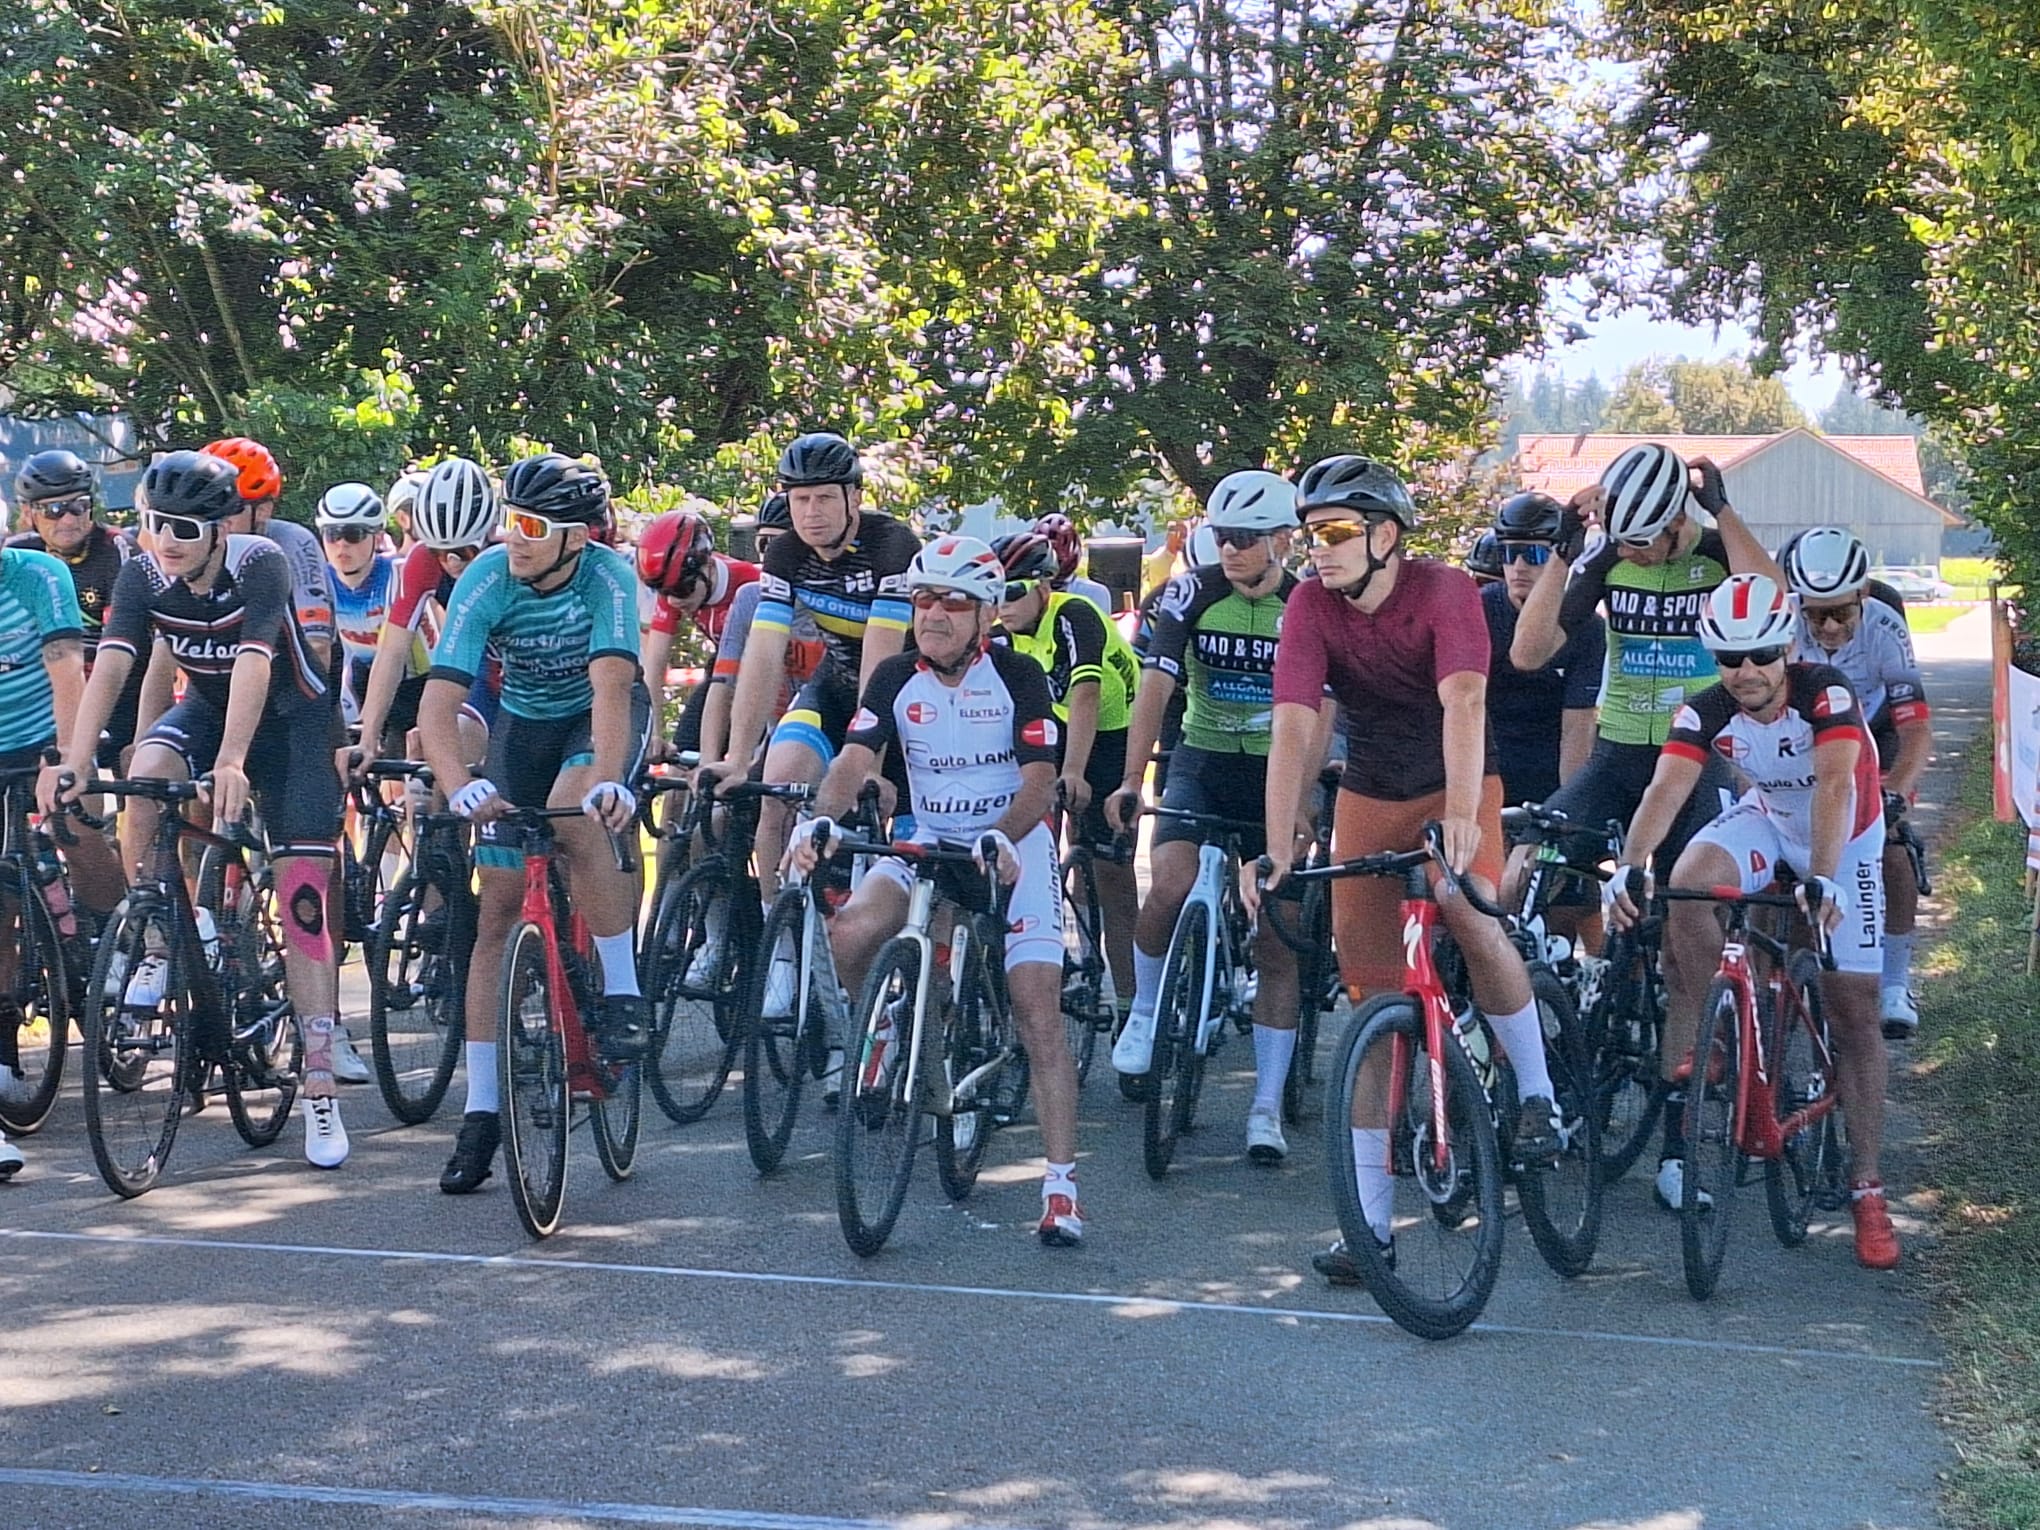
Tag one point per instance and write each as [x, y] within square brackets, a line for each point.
[1776, 757]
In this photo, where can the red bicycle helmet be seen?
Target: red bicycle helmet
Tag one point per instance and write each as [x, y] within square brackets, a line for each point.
[673, 550]
[1062, 535]
[261, 478]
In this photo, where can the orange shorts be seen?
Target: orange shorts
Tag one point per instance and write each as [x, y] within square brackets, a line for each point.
[1366, 911]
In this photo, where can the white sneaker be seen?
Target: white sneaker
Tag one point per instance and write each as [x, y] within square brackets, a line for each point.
[1670, 1189]
[707, 963]
[780, 985]
[1265, 1142]
[325, 1137]
[348, 1068]
[1901, 1014]
[15, 1088]
[1134, 1051]
[151, 981]
[10, 1158]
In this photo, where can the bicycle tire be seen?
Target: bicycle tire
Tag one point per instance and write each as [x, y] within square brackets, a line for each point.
[617, 1119]
[694, 1032]
[971, 1038]
[265, 1041]
[1175, 1070]
[1083, 999]
[1628, 1095]
[879, 1125]
[1713, 1164]
[531, 1059]
[1440, 1272]
[417, 997]
[1317, 973]
[1562, 1201]
[775, 1063]
[133, 1124]
[1797, 1041]
[47, 1003]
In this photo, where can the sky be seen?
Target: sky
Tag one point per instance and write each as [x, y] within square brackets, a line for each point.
[1616, 343]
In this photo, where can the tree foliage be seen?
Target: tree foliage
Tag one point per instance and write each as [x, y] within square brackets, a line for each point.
[1699, 398]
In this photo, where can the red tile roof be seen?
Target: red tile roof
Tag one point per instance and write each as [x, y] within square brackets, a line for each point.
[1560, 465]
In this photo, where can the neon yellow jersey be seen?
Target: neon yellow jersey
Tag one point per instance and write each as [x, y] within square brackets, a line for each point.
[1074, 642]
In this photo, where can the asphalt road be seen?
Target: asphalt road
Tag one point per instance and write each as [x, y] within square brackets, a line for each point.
[254, 1339]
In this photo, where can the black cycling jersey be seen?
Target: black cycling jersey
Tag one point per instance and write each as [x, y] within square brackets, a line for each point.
[93, 571]
[865, 587]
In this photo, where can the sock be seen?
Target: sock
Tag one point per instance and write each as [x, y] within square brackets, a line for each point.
[1147, 980]
[1272, 1051]
[1675, 1123]
[619, 964]
[319, 1057]
[1060, 1179]
[1862, 1189]
[484, 1089]
[1370, 1169]
[1898, 961]
[1522, 1037]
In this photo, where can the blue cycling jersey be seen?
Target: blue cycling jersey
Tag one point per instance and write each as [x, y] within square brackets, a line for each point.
[546, 641]
[38, 606]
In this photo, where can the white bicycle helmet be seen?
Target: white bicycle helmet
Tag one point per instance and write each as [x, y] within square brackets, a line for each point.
[351, 504]
[959, 563]
[1826, 563]
[1747, 611]
[456, 508]
[1252, 501]
[403, 495]
[1202, 547]
[1646, 490]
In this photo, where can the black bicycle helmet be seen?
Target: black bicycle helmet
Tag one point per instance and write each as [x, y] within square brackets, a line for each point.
[558, 488]
[55, 474]
[1355, 483]
[776, 514]
[1027, 555]
[1529, 517]
[1485, 561]
[817, 458]
[193, 485]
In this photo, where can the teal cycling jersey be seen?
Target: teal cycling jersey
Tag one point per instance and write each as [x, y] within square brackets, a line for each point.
[546, 642]
[38, 607]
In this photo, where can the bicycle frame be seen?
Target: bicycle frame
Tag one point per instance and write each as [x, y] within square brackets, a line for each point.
[1427, 990]
[567, 980]
[1758, 1131]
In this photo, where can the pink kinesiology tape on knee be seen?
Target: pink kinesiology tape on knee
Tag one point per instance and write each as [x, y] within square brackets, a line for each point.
[301, 884]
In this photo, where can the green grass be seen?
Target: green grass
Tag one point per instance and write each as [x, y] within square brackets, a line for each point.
[1970, 576]
[1924, 619]
[1980, 1094]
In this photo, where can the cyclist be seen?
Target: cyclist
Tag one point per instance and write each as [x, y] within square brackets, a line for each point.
[676, 557]
[1843, 624]
[1092, 677]
[804, 647]
[261, 485]
[1484, 560]
[403, 504]
[1062, 535]
[1399, 645]
[1543, 720]
[844, 565]
[561, 611]
[42, 676]
[976, 727]
[1876, 589]
[1215, 631]
[351, 519]
[257, 715]
[1798, 733]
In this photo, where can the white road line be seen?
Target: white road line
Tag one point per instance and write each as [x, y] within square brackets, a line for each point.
[842, 1282]
[447, 1503]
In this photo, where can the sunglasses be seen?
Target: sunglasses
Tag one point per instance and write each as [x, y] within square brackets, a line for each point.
[346, 533]
[60, 509]
[1334, 533]
[1736, 658]
[1237, 538]
[532, 527]
[1835, 616]
[1020, 589]
[1536, 554]
[177, 528]
[955, 602]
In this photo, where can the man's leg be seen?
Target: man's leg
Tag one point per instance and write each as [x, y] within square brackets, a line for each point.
[498, 905]
[1172, 867]
[1275, 1004]
[1901, 912]
[1691, 957]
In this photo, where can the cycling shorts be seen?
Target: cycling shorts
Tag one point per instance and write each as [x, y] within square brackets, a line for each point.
[1221, 786]
[527, 756]
[290, 767]
[1611, 785]
[1103, 773]
[820, 714]
[1034, 908]
[687, 727]
[1755, 841]
[1367, 911]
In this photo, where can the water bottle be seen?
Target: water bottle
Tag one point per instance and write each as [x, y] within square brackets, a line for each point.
[1474, 1036]
[49, 876]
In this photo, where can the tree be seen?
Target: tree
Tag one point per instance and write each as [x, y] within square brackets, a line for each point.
[1641, 404]
[1699, 398]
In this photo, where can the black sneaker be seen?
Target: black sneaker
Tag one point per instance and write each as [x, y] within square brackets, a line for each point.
[1338, 1268]
[1536, 1142]
[622, 1027]
[474, 1153]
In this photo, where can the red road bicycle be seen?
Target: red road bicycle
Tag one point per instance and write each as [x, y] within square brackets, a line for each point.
[1768, 1063]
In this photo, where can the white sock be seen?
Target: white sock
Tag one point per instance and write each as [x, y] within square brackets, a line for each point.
[619, 964]
[1898, 961]
[318, 1032]
[1272, 1051]
[1370, 1170]
[1060, 1179]
[1147, 980]
[484, 1089]
[1522, 1037]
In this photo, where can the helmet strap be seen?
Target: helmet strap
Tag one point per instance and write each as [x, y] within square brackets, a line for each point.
[1357, 592]
[564, 560]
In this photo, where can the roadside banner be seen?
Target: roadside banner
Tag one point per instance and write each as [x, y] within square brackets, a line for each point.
[2002, 795]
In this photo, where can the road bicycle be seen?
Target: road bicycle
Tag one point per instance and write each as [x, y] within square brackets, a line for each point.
[547, 1060]
[165, 1005]
[1763, 1088]
[1448, 1105]
[1318, 986]
[48, 954]
[1091, 1001]
[935, 1034]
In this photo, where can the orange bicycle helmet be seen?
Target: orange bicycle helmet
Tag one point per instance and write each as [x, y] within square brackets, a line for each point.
[261, 478]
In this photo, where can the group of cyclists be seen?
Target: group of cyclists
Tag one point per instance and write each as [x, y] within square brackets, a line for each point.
[1628, 659]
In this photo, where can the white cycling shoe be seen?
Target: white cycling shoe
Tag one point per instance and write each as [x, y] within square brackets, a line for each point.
[348, 1067]
[10, 1158]
[1901, 1015]
[1670, 1189]
[325, 1136]
[1265, 1142]
[1134, 1052]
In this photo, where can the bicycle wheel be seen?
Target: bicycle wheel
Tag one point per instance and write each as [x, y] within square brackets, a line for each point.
[880, 1122]
[1622, 1026]
[976, 1033]
[142, 1053]
[1435, 1276]
[532, 1059]
[417, 992]
[384, 861]
[1087, 979]
[1713, 1156]
[1562, 1200]
[265, 1045]
[1802, 1064]
[775, 1056]
[617, 1118]
[1317, 990]
[691, 973]
[1177, 1070]
[42, 992]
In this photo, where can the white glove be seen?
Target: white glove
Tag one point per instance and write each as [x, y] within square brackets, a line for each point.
[1001, 847]
[1817, 895]
[609, 799]
[1619, 884]
[817, 832]
[472, 796]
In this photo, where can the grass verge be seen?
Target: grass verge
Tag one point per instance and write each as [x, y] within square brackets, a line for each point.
[1979, 1093]
[1925, 619]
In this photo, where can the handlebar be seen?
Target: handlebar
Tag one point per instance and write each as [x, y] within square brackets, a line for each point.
[1735, 898]
[1391, 863]
[535, 818]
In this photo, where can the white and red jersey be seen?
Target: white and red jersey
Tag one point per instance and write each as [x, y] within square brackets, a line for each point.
[1776, 757]
[727, 576]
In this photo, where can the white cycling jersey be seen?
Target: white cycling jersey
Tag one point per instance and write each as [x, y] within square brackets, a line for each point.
[1878, 659]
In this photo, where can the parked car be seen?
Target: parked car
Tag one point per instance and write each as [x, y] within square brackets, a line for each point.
[1914, 585]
